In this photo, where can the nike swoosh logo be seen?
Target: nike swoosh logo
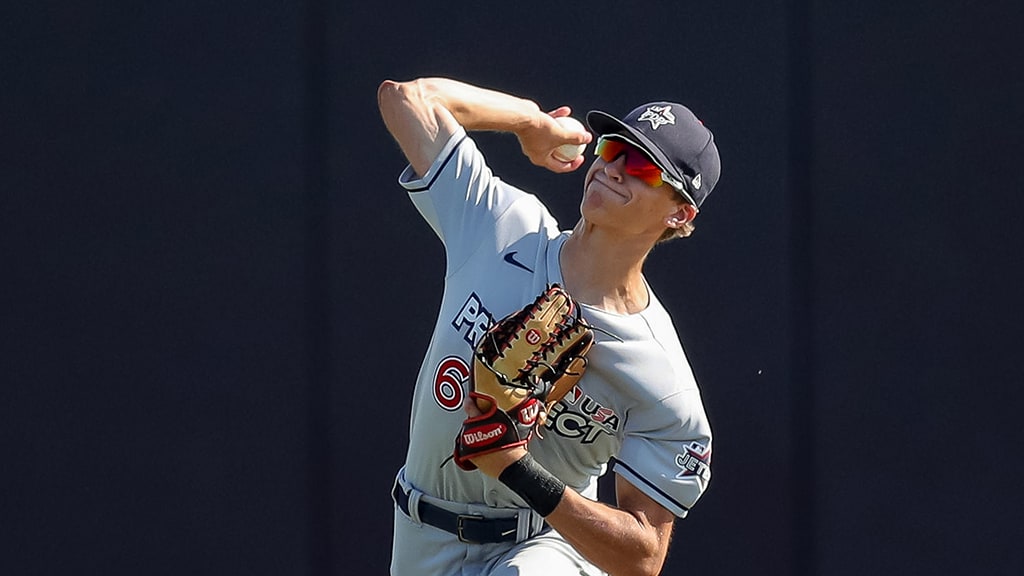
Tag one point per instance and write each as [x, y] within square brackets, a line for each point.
[511, 259]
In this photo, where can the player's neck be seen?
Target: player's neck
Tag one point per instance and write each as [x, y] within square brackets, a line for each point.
[605, 272]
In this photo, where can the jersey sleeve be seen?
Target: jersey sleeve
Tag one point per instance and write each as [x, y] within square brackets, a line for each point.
[669, 458]
[460, 198]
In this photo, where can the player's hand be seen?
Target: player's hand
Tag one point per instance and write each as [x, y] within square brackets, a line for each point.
[494, 463]
[542, 137]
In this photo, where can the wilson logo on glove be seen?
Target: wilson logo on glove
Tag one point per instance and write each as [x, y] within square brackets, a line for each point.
[528, 415]
[533, 337]
[483, 434]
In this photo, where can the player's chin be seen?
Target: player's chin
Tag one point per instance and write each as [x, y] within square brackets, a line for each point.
[598, 208]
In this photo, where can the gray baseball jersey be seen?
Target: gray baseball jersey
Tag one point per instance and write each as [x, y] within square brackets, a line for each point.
[637, 407]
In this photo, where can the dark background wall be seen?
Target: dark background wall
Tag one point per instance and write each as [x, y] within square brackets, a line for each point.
[206, 258]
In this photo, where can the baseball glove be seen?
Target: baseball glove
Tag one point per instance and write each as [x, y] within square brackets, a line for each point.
[523, 365]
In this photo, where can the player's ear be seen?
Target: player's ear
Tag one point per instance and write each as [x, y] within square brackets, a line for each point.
[684, 212]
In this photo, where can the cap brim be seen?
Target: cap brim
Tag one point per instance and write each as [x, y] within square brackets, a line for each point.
[604, 124]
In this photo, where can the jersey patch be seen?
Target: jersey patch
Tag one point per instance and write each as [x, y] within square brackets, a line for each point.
[695, 461]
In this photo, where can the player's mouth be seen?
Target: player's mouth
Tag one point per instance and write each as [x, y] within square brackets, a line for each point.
[599, 181]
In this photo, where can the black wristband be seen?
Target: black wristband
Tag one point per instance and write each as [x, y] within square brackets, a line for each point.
[541, 490]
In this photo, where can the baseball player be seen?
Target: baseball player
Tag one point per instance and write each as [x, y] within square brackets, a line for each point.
[531, 509]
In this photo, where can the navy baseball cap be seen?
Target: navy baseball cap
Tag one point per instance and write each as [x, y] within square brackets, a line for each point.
[675, 140]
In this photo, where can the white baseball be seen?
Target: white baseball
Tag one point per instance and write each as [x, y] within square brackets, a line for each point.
[569, 152]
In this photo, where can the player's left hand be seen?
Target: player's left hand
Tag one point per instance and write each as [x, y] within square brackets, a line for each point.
[522, 365]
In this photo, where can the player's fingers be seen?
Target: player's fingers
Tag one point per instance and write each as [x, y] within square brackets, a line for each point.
[469, 405]
[563, 167]
[558, 166]
[542, 419]
[560, 112]
[579, 161]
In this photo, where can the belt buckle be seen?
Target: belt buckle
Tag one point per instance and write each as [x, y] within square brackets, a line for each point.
[459, 525]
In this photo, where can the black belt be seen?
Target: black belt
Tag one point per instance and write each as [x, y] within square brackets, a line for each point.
[468, 527]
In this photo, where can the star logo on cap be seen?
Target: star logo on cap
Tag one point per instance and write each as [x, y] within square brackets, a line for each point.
[657, 116]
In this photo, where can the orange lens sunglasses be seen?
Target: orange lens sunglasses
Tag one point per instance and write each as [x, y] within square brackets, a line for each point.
[638, 164]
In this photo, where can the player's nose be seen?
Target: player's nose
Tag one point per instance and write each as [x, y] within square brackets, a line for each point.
[615, 168]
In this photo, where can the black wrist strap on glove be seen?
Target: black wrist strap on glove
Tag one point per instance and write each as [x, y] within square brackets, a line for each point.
[534, 484]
